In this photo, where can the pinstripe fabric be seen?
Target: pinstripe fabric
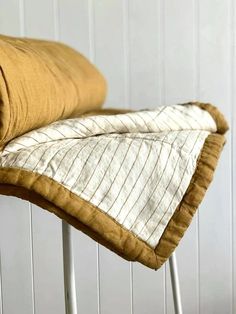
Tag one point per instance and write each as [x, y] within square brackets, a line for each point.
[135, 167]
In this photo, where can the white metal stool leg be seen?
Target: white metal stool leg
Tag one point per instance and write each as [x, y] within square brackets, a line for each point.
[69, 275]
[175, 284]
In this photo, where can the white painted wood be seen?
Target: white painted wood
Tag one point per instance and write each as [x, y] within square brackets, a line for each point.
[74, 29]
[74, 24]
[143, 81]
[215, 237]
[35, 25]
[10, 17]
[148, 290]
[15, 256]
[233, 147]
[48, 263]
[160, 52]
[110, 56]
[47, 245]
[178, 51]
[115, 283]
[179, 44]
[1, 289]
[233, 151]
[215, 255]
[15, 235]
[1, 296]
[144, 53]
[85, 273]
[107, 21]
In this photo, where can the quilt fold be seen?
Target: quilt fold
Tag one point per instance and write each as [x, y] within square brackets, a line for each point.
[131, 180]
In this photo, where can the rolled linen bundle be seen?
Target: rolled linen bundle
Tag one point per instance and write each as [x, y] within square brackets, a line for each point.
[44, 81]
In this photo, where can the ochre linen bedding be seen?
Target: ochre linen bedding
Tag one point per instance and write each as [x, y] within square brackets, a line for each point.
[130, 180]
[41, 82]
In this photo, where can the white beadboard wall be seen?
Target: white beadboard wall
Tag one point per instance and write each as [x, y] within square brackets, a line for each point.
[152, 53]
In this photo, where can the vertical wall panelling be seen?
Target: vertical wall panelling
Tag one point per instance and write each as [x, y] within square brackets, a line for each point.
[144, 50]
[196, 57]
[126, 49]
[144, 92]
[22, 33]
[127, 103]
[48, 275]
[153, 54]
[74, 24]
[109, 48]
[9, 11]
[162, 99]
[233, 149]
[86, 273]
[75, 30]
[39, 22]
[56, 20]
[148, 290]
[15, 238]
[215, 212]
[179, 81]
[45, 226]
[108, 35]
[92, 55]
[1, 297]
[31, 256]
[233, 222]
[15, 256]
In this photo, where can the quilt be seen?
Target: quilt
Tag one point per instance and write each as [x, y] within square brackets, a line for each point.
[131, 180]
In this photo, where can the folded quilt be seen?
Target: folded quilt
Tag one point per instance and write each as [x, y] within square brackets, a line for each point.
[130, 180]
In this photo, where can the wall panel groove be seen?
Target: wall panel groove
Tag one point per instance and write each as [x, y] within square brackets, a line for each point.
[1, 288]
[15, 244]
[56, 19]
[233, 150]
[23, 34]
[126, 37]
[92, 54]
[196, 96]
[215, 237]
[127, 104]
[32, 256]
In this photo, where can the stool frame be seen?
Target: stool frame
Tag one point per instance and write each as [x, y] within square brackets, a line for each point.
[69, 274]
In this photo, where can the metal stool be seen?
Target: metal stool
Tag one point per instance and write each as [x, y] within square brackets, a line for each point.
[69, 275]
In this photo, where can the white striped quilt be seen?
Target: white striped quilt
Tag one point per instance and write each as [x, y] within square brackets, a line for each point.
[135, 167]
